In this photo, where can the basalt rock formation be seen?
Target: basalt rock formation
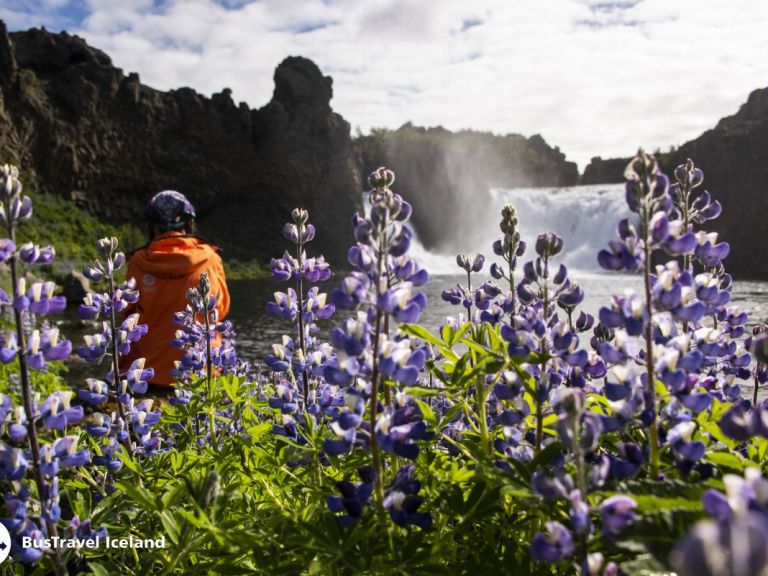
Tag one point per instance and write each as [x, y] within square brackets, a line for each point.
[446, 175]
[734, 158]
[82, 129]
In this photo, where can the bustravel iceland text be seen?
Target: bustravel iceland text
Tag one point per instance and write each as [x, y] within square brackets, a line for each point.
[57, 542]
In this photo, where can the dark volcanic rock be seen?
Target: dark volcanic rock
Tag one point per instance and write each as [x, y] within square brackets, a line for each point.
[600, 171]
[734, 158]
[446, 175]
[82, 129]
[74, 287]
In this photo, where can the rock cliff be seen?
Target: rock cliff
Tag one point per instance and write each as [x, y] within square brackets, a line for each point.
[734, 158]
[84, 130]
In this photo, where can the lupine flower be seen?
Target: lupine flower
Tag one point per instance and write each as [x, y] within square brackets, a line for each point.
[130, 331]
[82, 530]
[736, 543]
[107, 456]
[46, 346]
[63, 452]
[9, 347]
[95, 393]
[616, 513]
[352, 291]
[99, 425]
[402, 500]
[354, 497]
[33, 254]
[13, 464]
[554, 545]
[397, 431]
[7, 249]
[56, 412]
[470, 262]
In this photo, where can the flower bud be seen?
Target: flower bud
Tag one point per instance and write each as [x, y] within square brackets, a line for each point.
[300, 216]
[107, 246]
[211, 489]
[118, 261]
[548, 245]
[462, 260]
[477, 263]
[381, 178]
[10, 185]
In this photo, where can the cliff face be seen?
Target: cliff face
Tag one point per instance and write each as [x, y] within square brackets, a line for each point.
[83, 130]
[446, 175]
[734, 158]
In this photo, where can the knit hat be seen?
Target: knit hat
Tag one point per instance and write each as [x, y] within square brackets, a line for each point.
[169, 209]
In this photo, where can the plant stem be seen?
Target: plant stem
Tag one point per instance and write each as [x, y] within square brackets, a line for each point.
[511, 278]
[653, 430]
[34, 445]
[482, 414]
[116, 362]
[539, 401]
[539, 426]
[375, 452]
[754, 392]
[302, 343]
[377, 464]
[209, 375]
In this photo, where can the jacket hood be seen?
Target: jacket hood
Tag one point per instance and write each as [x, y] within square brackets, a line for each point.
[172, 255]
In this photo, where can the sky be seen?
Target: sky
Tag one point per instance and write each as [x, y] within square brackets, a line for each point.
[596, 78]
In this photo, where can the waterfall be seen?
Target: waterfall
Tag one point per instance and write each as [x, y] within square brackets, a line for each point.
[584, 216]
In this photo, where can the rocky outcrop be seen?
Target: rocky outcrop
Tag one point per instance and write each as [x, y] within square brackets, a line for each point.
[84, 130]
[600, 171]
[446, 175]
[734, 158]
[74, 287]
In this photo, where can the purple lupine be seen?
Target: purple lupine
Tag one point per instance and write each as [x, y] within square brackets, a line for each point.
[554, 545]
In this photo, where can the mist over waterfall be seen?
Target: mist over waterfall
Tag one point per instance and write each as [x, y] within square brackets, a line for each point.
[584, 216]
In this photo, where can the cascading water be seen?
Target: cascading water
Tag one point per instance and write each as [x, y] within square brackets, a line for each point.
[584, 216]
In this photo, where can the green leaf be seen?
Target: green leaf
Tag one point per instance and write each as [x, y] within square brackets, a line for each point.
[98, 569]
[138, 495]
[730, 460]
[129, 462]
[427, 412]
[422, 333]
[170, 526]
[422, 391]
[457, 335]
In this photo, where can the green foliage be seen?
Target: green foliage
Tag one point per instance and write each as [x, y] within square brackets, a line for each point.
[73, 231]
[257, 502]
[237, 270]
[44, 383]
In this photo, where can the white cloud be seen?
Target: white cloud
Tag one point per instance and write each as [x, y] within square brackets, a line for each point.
[594, 77]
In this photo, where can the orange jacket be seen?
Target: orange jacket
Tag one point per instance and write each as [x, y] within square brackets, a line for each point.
[164, 270]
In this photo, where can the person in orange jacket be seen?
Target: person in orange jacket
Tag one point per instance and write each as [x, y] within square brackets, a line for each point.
[164, 270]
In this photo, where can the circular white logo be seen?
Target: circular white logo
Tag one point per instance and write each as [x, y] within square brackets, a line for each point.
[5, 543]
[148, 280]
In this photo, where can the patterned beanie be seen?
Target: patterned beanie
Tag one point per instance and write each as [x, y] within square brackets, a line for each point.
[169, 209]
